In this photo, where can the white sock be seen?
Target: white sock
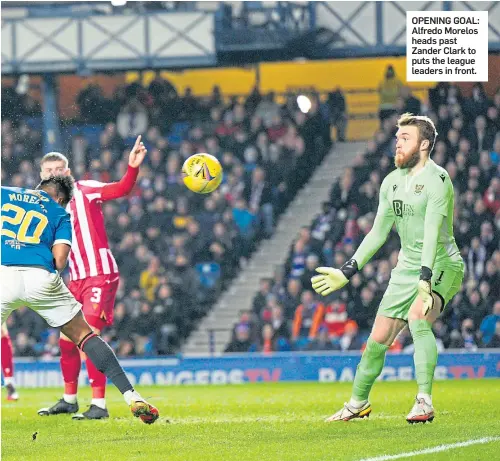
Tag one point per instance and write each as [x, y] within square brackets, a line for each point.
[69, 398]
[357, 403]
[427, 398]
[131, 395]
[9, 380]
[101, 403]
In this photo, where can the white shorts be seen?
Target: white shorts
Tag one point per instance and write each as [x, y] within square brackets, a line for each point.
[39, 290]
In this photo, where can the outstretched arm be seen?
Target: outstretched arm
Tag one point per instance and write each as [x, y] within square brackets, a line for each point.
[123, 187]
[334, 279]
[374, 239]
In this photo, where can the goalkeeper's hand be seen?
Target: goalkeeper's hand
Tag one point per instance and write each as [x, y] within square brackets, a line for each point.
[425, 290]
[332, 279]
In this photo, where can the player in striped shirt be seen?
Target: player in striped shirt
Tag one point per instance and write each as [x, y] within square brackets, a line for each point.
[94, 275]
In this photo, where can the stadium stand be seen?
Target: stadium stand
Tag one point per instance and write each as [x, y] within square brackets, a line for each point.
[287, 314]
[176, 250]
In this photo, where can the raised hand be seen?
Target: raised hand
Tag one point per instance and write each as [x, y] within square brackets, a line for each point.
[137, 153]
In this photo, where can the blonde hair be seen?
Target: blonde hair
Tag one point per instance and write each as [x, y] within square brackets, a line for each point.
[426, 127]
[54, 157]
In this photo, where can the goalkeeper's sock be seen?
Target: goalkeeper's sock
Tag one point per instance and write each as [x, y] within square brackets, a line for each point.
[427, 398]
[369, 369]
[425, 356]
[357, 403]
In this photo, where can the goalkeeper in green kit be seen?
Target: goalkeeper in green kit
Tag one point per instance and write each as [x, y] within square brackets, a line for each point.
[418, 197]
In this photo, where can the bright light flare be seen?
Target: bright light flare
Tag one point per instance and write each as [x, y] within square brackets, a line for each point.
[304, 103]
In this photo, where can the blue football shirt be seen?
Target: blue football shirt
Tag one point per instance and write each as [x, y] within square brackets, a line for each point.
[31, 224]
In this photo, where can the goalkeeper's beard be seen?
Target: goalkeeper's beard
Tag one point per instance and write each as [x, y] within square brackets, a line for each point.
[407, 161]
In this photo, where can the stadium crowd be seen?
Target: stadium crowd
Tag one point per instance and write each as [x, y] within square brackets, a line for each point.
[176, 250]
[288, 315]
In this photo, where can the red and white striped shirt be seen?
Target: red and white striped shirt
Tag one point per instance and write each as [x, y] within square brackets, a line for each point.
[90, 254]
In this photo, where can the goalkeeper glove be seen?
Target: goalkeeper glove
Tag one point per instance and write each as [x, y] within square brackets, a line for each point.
[333, 279]
[425, 289]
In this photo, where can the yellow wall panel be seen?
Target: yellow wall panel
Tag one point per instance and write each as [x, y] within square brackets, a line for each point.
[283, 76]
[325, 75]
[232, 80]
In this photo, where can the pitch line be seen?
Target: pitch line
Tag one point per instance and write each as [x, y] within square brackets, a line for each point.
[437, 449]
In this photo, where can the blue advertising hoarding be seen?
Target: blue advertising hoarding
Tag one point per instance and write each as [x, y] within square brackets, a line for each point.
[238, 369]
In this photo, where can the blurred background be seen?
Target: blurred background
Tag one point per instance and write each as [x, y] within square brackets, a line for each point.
[298, 100]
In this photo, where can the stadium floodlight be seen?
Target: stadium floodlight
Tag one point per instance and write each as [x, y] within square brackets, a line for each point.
[118, 2]
[304, 103]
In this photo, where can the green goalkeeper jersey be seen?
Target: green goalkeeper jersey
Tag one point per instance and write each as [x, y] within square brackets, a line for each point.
[421, 206]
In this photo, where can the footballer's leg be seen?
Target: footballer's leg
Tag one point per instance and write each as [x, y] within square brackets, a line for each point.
[446, 282]
[98, 299]
[54, 302]
[12, 288]
[8, 365]
[384, 332]
[390, 320]
[78, 330]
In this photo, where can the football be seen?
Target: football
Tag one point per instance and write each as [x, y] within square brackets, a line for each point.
[202, 173]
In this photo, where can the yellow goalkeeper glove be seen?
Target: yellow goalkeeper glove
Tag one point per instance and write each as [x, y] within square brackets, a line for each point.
[333, 279]
[425, 289]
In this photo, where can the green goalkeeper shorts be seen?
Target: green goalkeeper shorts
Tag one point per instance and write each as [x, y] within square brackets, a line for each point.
[403, 288]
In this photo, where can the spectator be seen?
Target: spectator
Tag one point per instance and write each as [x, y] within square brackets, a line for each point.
[307, 320]
[323, 342]
[23, 346]
[335, 318]
[389, 91]
[150, 278]
[241, 341]
[260, 299]
[489, 325]
[495, 340]
[351, 340]
[338, 112]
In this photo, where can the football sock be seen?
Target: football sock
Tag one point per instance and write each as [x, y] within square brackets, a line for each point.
[7, 363]
[71, 363]
[426, 397]
[105, 361]
[97, 380]
[132, 395]
[101, 403]
[357, 403]
[69, 398]
[425, 356]
[369, 368]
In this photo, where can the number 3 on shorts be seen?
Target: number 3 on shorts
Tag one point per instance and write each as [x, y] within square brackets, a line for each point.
[96, 298]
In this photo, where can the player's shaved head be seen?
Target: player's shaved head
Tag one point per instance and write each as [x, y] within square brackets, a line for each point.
[60, 188]
[426, 129]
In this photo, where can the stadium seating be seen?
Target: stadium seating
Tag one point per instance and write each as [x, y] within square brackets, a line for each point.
[201, 241]
[468, 147]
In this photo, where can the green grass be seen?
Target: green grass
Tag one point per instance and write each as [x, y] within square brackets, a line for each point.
[276, 421]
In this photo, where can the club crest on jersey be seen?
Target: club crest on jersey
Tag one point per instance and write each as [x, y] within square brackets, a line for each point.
[418, 189]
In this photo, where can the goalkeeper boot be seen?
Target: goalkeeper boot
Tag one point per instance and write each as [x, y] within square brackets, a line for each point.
[11, 392]
[61, 407]
[421, 412]
[94, 412]
[147, 413]
[349, 412]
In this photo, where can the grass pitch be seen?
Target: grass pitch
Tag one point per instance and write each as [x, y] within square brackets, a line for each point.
[278, 421]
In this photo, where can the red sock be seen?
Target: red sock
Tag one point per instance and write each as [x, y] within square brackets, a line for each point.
[71, 364]
[7, 364]
[97, 380]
